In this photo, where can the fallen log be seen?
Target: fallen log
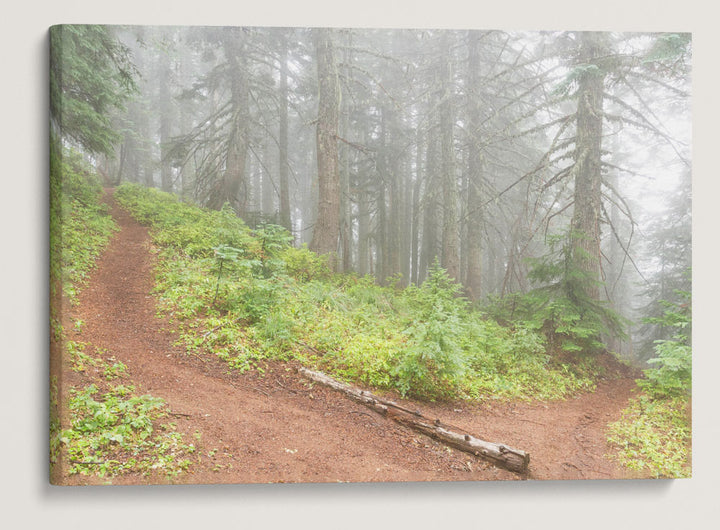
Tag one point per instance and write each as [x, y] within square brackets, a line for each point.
[499, 454]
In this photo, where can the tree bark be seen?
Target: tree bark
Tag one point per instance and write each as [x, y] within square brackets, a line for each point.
[233, 180]
[267, 205]
[474, 211]
[346, 227]
[430, 205]
[393, 239]
[406, 224]
[585, 224]
[363, 220]
[166, 117]
[283, 164]
[499, 454]
[415, 219]
[327, 225]
[450, 197]
[389, 197]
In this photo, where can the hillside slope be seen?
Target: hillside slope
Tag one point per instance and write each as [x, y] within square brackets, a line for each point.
[277, 427]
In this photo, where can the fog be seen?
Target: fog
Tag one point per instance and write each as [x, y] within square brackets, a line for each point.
[465, 147]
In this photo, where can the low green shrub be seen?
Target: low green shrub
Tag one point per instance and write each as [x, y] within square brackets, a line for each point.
[304, 265]
[113, 431]
[193, 231]
[654, 437]
[119, 432]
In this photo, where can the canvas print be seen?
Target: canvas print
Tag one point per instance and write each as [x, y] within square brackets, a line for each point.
[368, 255]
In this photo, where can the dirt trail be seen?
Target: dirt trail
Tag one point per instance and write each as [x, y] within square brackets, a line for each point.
[278, 428]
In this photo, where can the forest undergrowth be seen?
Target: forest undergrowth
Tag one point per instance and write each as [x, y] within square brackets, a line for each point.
[249, 296]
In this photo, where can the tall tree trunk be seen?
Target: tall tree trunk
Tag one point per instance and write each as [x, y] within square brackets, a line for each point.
[346, 236]
[450, 229]
[268, 187]
[307, 193]
[380, 233]
[463, 216]
[166, 117]
[406, 224]
[618, 289]
[121, 162]
[395, 177]
[474, 210]
[327, 225]
[585, 224]
[254, 186]
[389, 197]
[395, 198]
[148, 154]
[430, 203]
[363, 230]
[417, 187]
[283, 169]
[232, 187]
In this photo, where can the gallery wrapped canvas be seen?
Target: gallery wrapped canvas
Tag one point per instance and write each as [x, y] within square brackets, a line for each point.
[284, 254]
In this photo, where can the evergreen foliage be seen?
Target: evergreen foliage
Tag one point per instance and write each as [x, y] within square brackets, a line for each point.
[91, 74]
[435, 360]
[560, 308]
[672, 374]
[670, 247]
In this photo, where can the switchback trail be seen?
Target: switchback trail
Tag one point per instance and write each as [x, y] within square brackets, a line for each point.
[277, 427]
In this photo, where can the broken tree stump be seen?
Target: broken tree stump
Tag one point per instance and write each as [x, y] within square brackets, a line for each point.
[499, 454]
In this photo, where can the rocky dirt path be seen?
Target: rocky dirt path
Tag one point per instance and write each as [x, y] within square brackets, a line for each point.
[279, 428]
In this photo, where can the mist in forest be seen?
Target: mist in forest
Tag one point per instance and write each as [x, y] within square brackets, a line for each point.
[510, 159]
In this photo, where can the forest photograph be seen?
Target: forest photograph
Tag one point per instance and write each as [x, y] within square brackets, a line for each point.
[325, 254]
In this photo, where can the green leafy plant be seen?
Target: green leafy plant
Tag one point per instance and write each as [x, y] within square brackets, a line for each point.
[654, 434]
[80, 360]
[573, 77]
[273, 240]
[118, 432]
[115, 370]
[667, 47]
[304, 265]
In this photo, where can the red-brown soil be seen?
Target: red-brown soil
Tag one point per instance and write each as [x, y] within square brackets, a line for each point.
[278, 427]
